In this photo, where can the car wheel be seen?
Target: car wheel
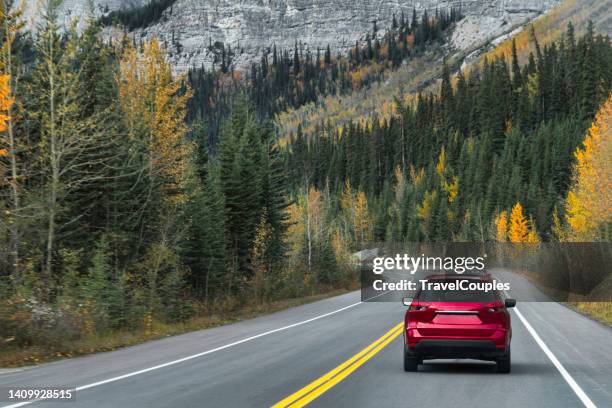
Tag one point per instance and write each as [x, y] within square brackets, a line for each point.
[503, 364]
[410, 363]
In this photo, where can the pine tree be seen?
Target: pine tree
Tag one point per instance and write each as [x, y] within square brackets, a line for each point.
[98, 99]
[251, 181]
[296, 60]
[69, 141]
[589, 100]
[517, 80]
[210, 227]
[275, 203]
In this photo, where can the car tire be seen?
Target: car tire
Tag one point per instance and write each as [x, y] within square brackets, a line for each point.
[411, 364]
[504, 363]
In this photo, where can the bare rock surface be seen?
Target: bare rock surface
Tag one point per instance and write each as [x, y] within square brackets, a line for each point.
[189, 27]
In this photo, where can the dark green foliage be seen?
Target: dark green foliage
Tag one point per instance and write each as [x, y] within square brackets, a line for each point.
[176, 305]
[252, 183]
[103, 291]
[509, 134]
[207, 253]
[328, 270]
[137, 17]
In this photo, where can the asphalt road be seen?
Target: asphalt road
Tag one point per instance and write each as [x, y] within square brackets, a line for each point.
[259, 362]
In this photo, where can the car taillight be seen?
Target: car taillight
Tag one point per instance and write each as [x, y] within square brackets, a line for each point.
[495, 307]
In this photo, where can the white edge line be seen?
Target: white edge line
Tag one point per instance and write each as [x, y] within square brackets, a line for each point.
[566, 376]
[181, 360]
[586, 401]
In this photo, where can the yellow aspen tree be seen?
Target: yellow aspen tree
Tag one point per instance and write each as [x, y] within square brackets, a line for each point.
[452, 189]
[532, 236]
[6, 102]
[346, 201]
[312, 217]
[441, 166]
[501, 227]
[315, 211]
[425, 209]
[557, 229]
[521, 230]
[339, 244]
[363, 224]
[305, 223]
[589, 201]
[154, 106]
[260, 280]
[296, 227]
[400, 184]
[417, 177]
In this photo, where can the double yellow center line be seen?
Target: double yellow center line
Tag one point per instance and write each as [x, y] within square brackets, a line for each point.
[333, 377]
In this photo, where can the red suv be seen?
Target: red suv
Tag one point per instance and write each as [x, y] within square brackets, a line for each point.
[446, 321]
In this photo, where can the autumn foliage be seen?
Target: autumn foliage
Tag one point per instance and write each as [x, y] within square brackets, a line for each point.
[589, 202]
[154, 108]
[518, 229]
[6, 101]
[501, 227]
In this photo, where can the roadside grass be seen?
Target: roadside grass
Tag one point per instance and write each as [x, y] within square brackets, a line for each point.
[12, 356]
[601, 311]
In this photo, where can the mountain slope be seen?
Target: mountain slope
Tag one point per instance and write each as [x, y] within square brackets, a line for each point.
[252, 26]
[489, 39]
[189, 28]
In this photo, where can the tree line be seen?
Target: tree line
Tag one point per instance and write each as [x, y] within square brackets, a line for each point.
[445, 166]
[288, 79]
[113, 218]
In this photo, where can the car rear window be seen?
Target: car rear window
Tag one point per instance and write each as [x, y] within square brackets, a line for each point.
[448, 295]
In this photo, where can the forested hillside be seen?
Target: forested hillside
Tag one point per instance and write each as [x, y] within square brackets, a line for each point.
[133, 199]
[288, 79]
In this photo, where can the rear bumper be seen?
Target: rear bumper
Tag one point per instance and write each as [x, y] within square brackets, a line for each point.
[477, 349]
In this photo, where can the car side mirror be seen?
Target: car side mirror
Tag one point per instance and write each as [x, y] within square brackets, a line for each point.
[407, 301]
[510, 302]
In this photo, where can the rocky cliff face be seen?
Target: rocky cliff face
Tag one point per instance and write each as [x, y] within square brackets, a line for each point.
[252, 26]
[75, 9]
[249, 27]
